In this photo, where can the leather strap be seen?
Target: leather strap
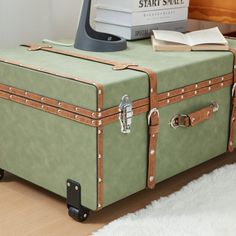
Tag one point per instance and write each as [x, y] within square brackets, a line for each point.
[194, 118]
[153, 102]
[200, 116]
[233, 109]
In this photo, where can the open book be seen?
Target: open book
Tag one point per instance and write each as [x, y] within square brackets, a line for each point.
[208, 39]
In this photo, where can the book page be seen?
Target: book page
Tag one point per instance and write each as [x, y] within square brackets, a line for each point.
[170, 36]
[208, 36]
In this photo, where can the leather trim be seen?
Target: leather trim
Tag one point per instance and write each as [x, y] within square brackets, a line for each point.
[50, 109]
[100, 96]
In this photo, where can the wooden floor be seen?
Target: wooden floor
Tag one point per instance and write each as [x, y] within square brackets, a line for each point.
[28, 210]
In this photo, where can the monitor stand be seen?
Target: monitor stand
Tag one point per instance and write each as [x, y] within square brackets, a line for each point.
[90, 40]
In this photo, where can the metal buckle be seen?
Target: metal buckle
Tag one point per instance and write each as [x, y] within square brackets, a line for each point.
[173, 122]
[151, 112]
[233, 89]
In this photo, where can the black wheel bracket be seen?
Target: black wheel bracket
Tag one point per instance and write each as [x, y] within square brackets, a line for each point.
[1, 174]
[75, 209]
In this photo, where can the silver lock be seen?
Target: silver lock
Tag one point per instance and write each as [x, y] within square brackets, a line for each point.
[126, 114]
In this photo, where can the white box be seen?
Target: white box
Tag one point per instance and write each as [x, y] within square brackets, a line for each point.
[141, 17]
[142, 5]
[141, 31]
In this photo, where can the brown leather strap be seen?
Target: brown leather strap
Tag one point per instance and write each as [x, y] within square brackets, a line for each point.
[233, 109]
[153, 102]
[194, 118]
[200, 116]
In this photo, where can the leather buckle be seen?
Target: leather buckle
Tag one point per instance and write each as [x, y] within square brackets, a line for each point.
[178, 121]
[233, 89]
[151, 112]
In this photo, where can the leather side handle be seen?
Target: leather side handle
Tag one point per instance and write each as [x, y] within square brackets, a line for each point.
[194, 118]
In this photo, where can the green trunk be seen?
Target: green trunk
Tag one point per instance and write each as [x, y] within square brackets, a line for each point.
[47, 150]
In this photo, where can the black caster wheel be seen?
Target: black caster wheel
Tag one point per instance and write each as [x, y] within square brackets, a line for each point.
[1, 174]
[79, 215]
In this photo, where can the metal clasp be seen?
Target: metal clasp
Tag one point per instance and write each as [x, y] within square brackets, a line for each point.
[126, 114]
[151, 112]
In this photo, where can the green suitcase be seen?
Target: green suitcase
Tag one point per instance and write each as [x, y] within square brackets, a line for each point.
[98, 127]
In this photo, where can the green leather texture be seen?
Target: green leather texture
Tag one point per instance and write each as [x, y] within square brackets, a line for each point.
[47, 150]
[174, 69]
[125, 163]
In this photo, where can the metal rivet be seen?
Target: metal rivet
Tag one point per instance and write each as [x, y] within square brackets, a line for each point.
[208, 113]
[222, 84]
[209, 88]
[42, 98]
[93, 122]
[99, 156]
[168, 101]
[151, 178]
[99, 132]
[99, 122]
[223, 78]
[85, 215]
[196, 86]
[182, 97]
[11, 96]
[76, 117]
[39, 69]
[99, 205]
[10, 88]
[59, 111]
[93, 114]
[42, 106]
[210, 82]
[152, 152]
[231, 143]
[193, 119]
[183, 90]
[99, 109]
[68, 184]
[99, 91]
[99, 180]
[168, 94]
[77, 109]
[99, 115]
[26, 101]
[59, 104]
[195, 92]
[26, 93]
[76, 188]
[153, 135]
[151, 90]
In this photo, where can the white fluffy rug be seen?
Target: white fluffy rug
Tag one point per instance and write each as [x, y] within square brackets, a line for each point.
[205, 207]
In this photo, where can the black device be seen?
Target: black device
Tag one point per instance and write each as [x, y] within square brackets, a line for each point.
[90, 40]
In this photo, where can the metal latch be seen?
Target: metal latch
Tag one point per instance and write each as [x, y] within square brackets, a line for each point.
[126, 114]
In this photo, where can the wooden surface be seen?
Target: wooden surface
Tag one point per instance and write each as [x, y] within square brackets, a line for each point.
[27, 210]
[213, 10]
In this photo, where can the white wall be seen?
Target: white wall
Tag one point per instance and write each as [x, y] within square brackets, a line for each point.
[32, 20]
